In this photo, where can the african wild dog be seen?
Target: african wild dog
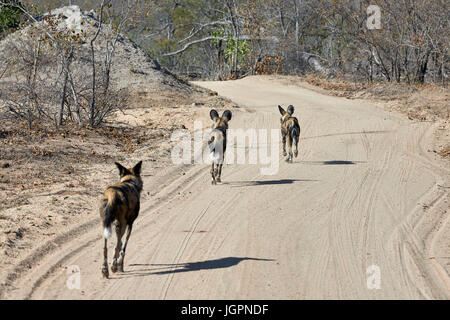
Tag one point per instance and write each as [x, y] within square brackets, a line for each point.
[290, 131]
[218, 142]
[120, 204]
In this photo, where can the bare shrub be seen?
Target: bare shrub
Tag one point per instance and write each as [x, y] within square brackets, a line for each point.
[58, 72]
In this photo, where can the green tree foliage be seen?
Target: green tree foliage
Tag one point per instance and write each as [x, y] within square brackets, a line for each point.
[10, 15]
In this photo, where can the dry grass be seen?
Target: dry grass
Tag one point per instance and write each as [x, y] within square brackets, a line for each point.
[418, 101]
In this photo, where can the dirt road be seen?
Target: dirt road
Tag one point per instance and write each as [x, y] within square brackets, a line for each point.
[363, 192]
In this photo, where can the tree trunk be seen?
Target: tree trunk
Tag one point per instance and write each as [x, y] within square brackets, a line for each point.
[231, 4]
[66, 61]
[422, 68]
[63, 100]
[92, 107]
[297, 28]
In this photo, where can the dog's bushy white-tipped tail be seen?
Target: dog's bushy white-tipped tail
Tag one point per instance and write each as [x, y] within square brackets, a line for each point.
[107, 221]
[214, 157]
[216, 147]
[107, 232]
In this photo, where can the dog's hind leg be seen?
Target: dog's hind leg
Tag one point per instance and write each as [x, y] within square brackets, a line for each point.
[124, 247]
[289, 156]
[120, 230]
[213, 174]
[105, 272]
[219, 173]
[296, 137]
[295, 143]
[284, 144]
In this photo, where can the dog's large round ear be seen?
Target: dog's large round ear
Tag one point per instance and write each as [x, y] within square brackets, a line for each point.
[122, 169]
[137, 168]
[281, 110]
[290, 109]
[227, 114]
[213, 114]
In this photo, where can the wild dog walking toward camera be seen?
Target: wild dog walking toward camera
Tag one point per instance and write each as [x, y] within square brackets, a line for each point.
[290, 131]
[120, 204]
[218, 143]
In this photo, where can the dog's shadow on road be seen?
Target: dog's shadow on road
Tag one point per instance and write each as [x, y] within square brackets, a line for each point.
[331, 162]
[170, 268]
[264, 182]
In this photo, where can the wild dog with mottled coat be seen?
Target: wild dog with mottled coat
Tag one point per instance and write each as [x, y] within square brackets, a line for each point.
[290, 131]
[218, 143]
[120, 203]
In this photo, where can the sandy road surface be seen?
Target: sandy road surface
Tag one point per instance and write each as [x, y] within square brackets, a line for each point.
[353, 198]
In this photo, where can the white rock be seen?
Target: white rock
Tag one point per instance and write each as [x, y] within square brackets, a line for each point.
[74, 17]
